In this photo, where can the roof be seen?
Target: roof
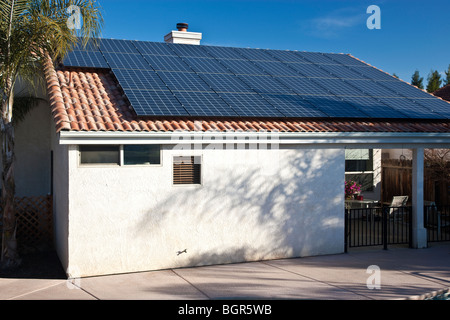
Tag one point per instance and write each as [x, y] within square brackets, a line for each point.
[92, 99]
[443, 93]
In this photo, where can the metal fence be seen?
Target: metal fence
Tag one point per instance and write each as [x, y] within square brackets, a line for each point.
[437, 222]
[379, 226]
[383, 226]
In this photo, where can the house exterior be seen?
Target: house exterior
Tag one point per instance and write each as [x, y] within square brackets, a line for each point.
[136, 193]
[443, 93]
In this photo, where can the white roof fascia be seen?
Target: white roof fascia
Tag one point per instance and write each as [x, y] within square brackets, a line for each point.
[385, 139]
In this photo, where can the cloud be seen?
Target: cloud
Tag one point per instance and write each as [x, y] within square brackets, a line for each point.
[335, 23]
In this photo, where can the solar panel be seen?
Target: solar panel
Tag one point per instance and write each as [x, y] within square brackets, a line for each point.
[184, 81]
[223, 53]
[265, 84]
[340, 87]
[343, 72]
[372, 88]
[304, 86]
[207, 65]
[405, 89]
[167, 63]
[139, 79]
[250, 105]
[178, 79]
[186, 50]
[155, 103]
[410, 108]
[293, 106]
[372, 73]
[154, 48]
[436, 105]
[310, 70]
[204, 104]
[255, 54]
[225, 83]
[345, 59]
[286, 56]
[126, 61]
[373, 108]
[242, 67]
[85, 59]
[315, 57]
[120, 46]
[276, 68]
[335, 107]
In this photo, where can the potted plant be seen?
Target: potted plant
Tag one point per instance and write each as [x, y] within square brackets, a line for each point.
[352, 188]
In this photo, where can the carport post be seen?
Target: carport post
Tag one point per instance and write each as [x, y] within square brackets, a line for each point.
[419, 233]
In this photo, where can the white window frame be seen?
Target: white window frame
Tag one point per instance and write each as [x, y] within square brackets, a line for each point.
[121, 159]
[365, 172]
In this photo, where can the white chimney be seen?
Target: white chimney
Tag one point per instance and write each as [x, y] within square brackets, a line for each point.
[183, 36]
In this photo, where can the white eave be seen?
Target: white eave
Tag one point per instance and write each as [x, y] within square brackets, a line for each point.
[332, 139]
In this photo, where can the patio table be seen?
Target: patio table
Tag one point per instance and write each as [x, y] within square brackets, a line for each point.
[366, 203]
[363, 204]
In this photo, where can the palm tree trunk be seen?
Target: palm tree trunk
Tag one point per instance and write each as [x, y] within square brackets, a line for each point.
[9, 254]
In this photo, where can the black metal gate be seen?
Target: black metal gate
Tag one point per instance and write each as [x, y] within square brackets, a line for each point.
[437, 222]
[378, 227]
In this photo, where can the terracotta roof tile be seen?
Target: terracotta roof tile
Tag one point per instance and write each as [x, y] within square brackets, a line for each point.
[90, 100]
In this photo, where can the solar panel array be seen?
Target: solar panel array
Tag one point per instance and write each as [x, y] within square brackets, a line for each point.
[161, 79]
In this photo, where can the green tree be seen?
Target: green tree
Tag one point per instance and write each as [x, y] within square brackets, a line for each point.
[447, 76]
[31, 33]
[434, 81]
[417, 80]
[395, 75]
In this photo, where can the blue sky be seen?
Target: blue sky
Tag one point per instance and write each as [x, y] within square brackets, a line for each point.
[414, 34]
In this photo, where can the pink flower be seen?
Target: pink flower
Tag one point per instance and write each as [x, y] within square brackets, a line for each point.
[351, 188]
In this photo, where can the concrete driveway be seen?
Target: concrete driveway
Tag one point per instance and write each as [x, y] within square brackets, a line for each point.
[401, 273]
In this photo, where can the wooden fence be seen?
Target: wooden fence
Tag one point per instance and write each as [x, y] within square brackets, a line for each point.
[34, 216]
[396, 180]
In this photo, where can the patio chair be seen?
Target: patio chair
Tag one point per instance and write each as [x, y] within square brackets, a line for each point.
[399, 201]
[395, 208]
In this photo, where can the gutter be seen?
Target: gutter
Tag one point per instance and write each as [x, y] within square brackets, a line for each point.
[399, 139]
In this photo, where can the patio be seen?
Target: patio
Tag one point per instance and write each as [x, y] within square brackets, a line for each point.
[383, 226]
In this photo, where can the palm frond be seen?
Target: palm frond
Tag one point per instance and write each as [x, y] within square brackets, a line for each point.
[61, 39]
[12, 8]
[30, 32]
[39, 30]
[22, 106]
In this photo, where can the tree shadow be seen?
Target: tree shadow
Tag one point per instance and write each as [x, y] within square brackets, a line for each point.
[341, 277]
[244, 213]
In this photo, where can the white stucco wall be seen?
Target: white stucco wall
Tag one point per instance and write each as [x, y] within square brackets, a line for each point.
[61, 199]
[252, 205]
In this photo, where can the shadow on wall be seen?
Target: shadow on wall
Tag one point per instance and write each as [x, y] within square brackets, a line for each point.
[245, 213]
